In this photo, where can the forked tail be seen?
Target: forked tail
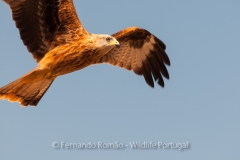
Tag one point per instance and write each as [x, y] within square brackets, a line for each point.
[25, 92]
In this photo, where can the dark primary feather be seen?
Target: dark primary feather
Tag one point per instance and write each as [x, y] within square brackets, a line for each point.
[141, 52]
[42, 26]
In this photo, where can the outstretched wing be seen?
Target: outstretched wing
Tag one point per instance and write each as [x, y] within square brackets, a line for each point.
[44, 24]
[141, 52]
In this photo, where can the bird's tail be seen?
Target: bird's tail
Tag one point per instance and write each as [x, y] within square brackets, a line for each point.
[26, 90]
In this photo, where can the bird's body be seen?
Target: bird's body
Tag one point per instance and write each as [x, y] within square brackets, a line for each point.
[60, 44]
[72, 57]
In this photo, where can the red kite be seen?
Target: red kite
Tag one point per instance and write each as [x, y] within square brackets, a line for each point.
[53, 34]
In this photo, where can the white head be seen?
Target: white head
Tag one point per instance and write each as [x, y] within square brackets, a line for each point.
[106, 42]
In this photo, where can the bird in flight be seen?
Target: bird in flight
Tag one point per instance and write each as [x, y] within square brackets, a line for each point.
[54, 35]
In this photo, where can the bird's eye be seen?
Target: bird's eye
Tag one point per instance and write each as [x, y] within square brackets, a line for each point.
[108, 39]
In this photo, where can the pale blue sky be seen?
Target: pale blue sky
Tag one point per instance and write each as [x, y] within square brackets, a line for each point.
[199, 104]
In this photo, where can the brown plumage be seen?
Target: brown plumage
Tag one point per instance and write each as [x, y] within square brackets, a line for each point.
[59, 43]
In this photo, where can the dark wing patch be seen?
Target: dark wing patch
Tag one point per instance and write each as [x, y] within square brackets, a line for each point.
[141, 52]
[40, 23]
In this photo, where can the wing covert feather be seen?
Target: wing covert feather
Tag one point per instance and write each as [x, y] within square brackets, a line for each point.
[44, 24]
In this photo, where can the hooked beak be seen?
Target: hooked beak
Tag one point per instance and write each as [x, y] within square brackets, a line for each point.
[117, 44]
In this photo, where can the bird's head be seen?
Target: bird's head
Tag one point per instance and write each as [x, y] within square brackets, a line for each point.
[106, 42]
